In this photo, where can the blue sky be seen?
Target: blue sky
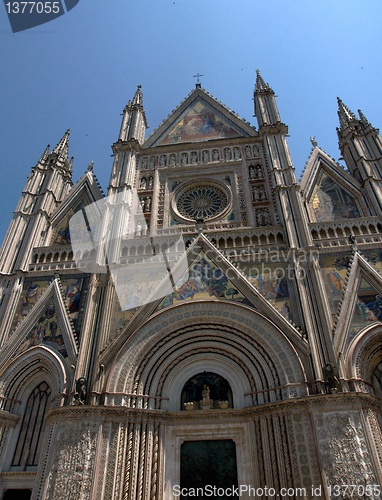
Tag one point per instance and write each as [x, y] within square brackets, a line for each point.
[79, 71]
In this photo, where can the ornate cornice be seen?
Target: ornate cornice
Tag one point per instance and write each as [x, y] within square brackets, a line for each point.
[322, 402]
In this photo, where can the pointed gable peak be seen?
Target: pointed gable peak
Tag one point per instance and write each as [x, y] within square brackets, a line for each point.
[344, 114]
[261, 85]
[62, 148]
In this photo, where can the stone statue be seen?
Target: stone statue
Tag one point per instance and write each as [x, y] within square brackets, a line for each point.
[184, 159]
[330, 379]
[81, 391]
[313, 141]
[227, 154]
[206, 400]
[236, 153]
[138, 229]
[163, 160]
[147, 206]
[259, 172]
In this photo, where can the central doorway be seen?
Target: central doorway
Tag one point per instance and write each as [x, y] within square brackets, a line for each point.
[209, 463]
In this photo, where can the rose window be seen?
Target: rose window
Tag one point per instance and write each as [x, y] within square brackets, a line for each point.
[202, 202]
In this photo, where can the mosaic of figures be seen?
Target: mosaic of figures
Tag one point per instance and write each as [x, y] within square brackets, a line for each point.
[330, 201]
[368, 308]
[119, 318]
[369, 302]
[205, 281]
[62, 233]
[34, 289]
[334, 269]
[271, 279]
[47, 332]
[198, 123]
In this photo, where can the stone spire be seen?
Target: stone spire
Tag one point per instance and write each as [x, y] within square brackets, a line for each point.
[361, 146]
[47, 185]
[134, 122]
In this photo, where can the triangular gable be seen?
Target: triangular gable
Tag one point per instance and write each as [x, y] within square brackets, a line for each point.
[84, 193]
[330, 192]
[72, 288]
[47, 324]
[362, 301]
[224, 282]
[199, 118]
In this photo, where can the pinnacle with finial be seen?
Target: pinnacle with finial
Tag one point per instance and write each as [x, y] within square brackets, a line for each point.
[138, 98]
[62, 148]
[260, 83]
[344, 113]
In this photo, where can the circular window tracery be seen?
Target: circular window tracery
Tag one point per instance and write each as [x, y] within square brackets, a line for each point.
[202, 201]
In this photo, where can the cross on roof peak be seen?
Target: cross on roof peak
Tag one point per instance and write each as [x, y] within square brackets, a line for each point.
[198, 85]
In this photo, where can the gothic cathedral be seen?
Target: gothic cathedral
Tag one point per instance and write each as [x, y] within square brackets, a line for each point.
[210, 328]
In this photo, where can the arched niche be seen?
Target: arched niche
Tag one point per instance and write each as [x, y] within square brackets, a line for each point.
[206, 390]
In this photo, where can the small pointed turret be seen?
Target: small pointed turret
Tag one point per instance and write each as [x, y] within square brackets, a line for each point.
[363, 118]
[344, 114]
[71, 163]
[45, 155]
[62, 148]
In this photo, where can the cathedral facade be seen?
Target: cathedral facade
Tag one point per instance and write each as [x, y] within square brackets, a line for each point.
[210, 328]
